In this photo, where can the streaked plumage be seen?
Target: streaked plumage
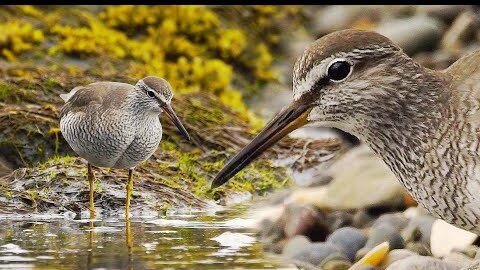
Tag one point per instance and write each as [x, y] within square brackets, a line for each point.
[423, 123]
[116, 125]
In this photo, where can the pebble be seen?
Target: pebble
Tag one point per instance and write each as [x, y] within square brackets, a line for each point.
[413, 34]
[374, 257]
[445, 237]
[305, 220]
[271, 231]
[421, 263]
[461, 31]
[338, 17]
[362, 219]
[348, 240]
[474, 266]
[458, 259]
[339, 219]
[296, 245]
[334, 262]
[396, 255]
[419, 248]
[318, 252]
[396, 220]
[419, 228]
[382, 233]
[446, 13]
[370, 183]
[366, 267]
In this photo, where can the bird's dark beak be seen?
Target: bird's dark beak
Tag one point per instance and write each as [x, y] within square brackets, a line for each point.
[288, 119]
[171, 113]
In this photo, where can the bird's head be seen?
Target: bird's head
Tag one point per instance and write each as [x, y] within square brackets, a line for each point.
[156, 95]
[337, 82]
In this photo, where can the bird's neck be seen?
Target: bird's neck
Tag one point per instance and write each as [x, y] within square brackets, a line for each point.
[403, 133]
[142, 108]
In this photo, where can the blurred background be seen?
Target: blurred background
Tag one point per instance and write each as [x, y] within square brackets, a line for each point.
[321, 199]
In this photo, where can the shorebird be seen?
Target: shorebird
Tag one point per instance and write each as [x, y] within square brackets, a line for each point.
[117, 125]
[424, 124]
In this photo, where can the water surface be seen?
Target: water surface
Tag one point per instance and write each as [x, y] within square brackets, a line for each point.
[217, 240]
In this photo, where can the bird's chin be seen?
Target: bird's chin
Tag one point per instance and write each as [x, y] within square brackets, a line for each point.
[155, 111]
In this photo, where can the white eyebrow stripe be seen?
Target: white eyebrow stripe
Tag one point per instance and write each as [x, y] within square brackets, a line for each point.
[315, 73]
[307, 83]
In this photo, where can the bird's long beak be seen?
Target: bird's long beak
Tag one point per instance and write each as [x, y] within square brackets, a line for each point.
[171, 113]
[288, 119]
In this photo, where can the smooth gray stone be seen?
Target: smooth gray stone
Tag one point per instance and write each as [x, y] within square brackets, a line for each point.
[349, 240]
[421, 263]
[413, 34]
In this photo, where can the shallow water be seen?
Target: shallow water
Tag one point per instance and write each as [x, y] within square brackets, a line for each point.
[218, 240]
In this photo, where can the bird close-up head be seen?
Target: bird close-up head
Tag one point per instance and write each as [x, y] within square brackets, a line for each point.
[156, 95]
[156, 92]
[353, 80]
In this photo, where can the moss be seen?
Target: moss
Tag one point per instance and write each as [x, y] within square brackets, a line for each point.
[193, 47]
[212, 64]
[5, 91]
[18, 36]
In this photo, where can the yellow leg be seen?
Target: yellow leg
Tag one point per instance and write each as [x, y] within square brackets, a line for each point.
[90, 245]
[128, 231]
[129, 193]
[91, 180]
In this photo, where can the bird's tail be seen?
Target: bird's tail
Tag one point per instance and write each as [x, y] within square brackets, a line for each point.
[67, 96]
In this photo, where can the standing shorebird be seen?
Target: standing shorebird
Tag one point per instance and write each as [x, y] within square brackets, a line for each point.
[424, 124]
[116, 125]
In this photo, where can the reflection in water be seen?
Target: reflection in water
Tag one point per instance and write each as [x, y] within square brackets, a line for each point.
[204, 241]
[128, 237]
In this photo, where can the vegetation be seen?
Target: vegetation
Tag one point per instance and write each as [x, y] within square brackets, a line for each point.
[211, 63]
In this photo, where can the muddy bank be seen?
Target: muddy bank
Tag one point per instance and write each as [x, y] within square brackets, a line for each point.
[49, 177]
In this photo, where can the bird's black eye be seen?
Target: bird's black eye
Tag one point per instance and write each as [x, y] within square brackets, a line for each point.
[150, 93]
[339, 70]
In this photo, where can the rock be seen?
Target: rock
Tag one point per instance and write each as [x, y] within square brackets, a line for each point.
[477, 255]
[334, 262]
[412, 212]
[446, 237]
[461, 31]
[339, 219]
[396, 220]
[360, 180]
[305, 220]
[374, 257]
[396, 255]
[5, 167]
[458, 259]
[474, 266]
[271, 232]
[362, 219]
[419, 248]
[382, 233]
[317, 253]
[436, 60]
[271, 99]
[296, 245]
[365, 267]
[446, 13]
[421, 263]
[338, 17]
[413, 34]
[348, 240]
[470, 251]
[419, 229]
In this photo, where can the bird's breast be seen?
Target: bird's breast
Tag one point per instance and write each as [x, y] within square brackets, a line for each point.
[146, 140]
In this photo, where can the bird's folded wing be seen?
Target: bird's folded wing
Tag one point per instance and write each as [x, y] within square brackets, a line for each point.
[465, 86]
[465, 73]
[106, 94]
